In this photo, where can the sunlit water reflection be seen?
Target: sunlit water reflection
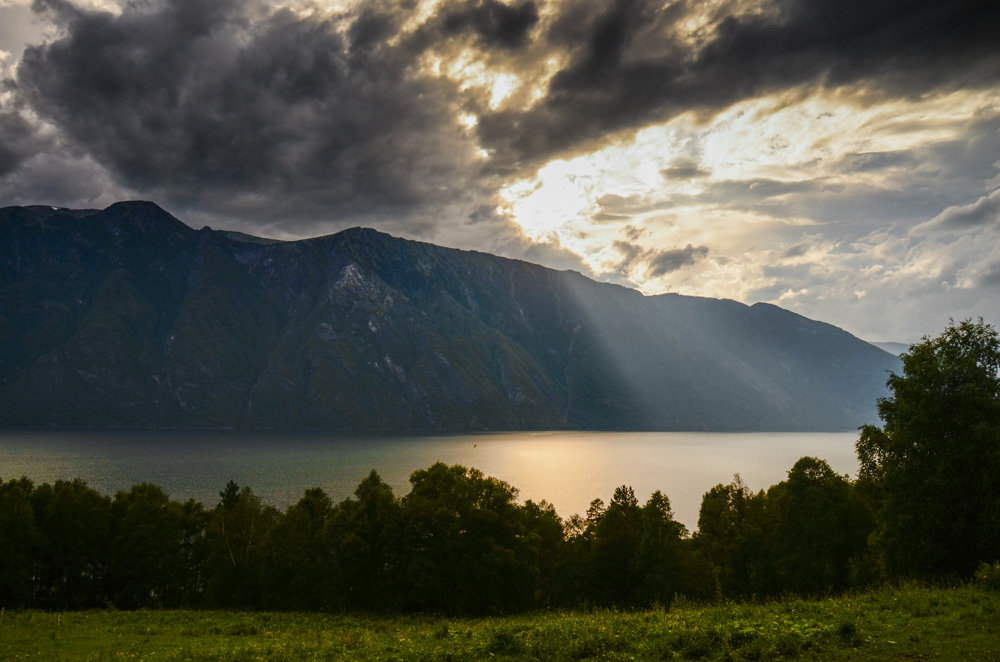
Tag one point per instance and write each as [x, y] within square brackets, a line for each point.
[568, 469]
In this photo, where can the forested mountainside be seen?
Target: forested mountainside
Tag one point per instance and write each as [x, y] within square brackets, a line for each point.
[128, 317]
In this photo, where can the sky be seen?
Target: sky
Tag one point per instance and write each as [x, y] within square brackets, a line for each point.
[839, 158]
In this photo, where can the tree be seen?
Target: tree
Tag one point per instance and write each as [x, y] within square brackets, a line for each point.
[151, 538]
[364, 537]
[659, 553]
[19, 544]
[614, 578]
[935, 463]
[464, 537]
[732, 537]
[237, 529]
[544, 540]
[75, 545]
[297, 554]
[571, 579]
[815, 529]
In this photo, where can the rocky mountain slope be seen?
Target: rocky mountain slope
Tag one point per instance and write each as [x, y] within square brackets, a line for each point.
[128, 317]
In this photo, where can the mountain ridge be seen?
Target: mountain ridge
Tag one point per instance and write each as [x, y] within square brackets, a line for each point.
[895, 348]
[128, 317]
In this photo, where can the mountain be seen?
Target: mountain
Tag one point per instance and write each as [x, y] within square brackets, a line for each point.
[895, 348]
[127, 317]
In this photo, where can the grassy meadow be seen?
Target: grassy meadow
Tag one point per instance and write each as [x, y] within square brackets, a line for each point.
[906, 623]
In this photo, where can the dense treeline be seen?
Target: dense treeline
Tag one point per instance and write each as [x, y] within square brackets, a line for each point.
[926, 503]
[459, 542]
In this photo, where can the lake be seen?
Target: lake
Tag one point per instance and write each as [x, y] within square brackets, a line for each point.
[568, 469]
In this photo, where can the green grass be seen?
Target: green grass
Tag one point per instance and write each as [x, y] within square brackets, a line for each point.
[908, 623]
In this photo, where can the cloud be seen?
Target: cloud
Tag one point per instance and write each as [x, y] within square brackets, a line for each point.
[225, 105]
[246, 110]
[494, 23]
[684, 169]
[788, 215]
[653, 263]
[18, 26]
[633, 62]
[990, 276]
[984, 211]
[509, 242]
[875, 161]
[663, 262]
[19, 139]
[65, 179]
[798, 250]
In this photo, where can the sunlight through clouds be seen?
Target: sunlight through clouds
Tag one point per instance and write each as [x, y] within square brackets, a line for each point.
[745, 184]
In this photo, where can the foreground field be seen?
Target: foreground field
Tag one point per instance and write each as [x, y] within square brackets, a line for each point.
[910, 623]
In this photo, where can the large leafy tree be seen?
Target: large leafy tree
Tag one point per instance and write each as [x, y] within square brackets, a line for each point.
[615, 548]
[364, 537]
[297, 556]
[464, 535]
[543, 537]
[733, 538]
[75, 544]
[816, 528]
[935, 463]
[20, 544]
[154, 557]
[659, 553]
[237, 530]
[573, 582]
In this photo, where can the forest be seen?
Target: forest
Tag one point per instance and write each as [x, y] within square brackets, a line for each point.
[926, 505]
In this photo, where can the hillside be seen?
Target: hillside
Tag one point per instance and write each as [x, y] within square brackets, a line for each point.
[127, 317]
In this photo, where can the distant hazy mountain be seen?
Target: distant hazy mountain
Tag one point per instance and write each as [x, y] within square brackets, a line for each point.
[894, 348]
[128, 317]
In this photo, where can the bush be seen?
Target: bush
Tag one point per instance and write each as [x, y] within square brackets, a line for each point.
[988, 576]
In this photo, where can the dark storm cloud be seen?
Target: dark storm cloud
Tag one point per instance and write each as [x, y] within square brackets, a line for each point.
[207, 99]
[68, 180]
[630, 66]
[18, 140]
[495, 23]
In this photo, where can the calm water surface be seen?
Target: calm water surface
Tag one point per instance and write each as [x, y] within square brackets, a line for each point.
[568, 469]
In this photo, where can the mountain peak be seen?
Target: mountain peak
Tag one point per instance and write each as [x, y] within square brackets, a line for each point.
[143, 215]
[363, 234]
[135, 206]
